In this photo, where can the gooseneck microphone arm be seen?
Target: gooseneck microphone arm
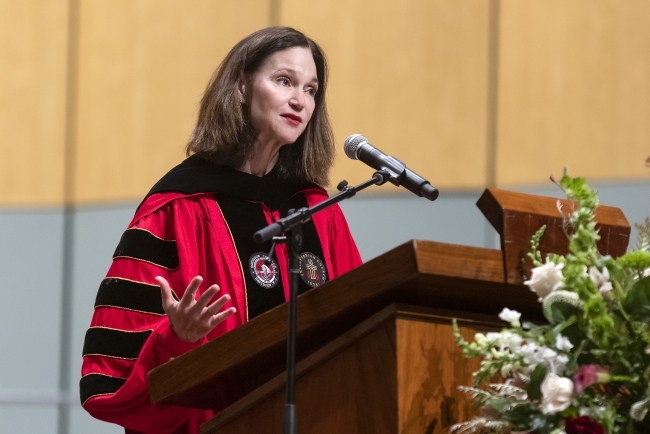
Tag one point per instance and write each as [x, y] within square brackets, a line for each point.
[303, 215]
[389, 169]
[292, 226]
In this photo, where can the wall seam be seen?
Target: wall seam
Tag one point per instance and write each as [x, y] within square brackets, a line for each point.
[69, 176]
[492, 115]
[492, 92]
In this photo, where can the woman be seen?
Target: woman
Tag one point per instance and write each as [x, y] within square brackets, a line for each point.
[262, 145]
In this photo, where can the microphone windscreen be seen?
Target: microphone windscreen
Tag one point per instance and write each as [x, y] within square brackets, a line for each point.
[352, 144]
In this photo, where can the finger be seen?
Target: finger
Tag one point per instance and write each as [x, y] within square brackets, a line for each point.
[190, 293]
[202, 302]
[215, 307]
[221, 316]
[168, 301]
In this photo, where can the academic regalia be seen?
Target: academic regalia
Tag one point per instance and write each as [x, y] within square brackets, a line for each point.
[197, 220]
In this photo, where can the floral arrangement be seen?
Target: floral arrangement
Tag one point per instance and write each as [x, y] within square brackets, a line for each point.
[587, 371]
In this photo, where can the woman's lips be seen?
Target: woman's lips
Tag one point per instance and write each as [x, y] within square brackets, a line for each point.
[292, 119]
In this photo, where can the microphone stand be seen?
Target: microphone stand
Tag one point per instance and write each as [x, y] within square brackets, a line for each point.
[292, 225]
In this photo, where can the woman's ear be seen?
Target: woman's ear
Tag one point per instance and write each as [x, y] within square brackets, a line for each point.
[241, 89]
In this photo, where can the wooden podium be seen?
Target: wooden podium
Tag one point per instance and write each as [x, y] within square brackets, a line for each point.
[375, 346]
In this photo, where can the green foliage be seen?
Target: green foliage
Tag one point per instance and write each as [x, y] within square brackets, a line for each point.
[637, 260]
[559, 306]
[599, 315]
[637, 301]
[535, 384]
[534, 254]
[643, 238]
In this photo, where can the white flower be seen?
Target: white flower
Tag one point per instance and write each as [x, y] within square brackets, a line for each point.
[531, 354]
[557, 364]
[646, 272]
[480, 339]
[548, 354]
[510, 340]
[545, 279]
[506, 369]
[511, 316]
[534, 354]
[556, 393]
[562, 343]
[504, 340]
[601, 280]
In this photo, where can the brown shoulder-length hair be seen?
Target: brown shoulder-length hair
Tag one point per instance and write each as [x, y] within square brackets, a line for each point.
[223, 132]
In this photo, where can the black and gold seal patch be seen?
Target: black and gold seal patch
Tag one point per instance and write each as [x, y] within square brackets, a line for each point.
[264, 270]
[312, 269]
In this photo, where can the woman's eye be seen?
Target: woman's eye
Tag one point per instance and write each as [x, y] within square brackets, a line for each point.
[284, 81]
[311, 91]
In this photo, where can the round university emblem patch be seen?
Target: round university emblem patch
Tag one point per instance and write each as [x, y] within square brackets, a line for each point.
[264, 270]
[312, 269]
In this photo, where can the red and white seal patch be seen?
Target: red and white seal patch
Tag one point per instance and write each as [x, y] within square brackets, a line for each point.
[312, 269]
[264, 270]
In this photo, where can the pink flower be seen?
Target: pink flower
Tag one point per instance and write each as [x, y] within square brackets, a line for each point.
[588, 375]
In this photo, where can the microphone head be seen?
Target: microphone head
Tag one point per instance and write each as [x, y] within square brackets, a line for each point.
[351, 145]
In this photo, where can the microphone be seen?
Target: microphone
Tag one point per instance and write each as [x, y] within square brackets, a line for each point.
[357, 148]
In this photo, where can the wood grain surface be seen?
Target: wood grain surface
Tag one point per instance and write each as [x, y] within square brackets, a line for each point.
[430, 368]
[247, 357]
[33, 91]
[573, 90]
[397, 372]
[410, 76]
[517, 216]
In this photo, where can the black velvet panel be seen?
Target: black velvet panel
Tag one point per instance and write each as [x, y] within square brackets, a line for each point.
[98, 384]
[114, 343]
[126, 294]
[311, 241]
[144, 246]
[197, 175]
[244, 219]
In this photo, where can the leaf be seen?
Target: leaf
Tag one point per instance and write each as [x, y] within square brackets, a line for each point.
[508, 391]
[639, 409]
[478, 425]
[637, 300]
[561, 305]
[571, 330]
[536, 378]
[643, 238]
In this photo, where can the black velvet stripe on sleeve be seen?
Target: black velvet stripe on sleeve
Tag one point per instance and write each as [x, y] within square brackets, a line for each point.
[98, 384]
[126, 294]
[145, 246]
[114, 343]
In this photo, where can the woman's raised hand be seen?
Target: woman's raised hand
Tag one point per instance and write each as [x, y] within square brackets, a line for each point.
[192, 319]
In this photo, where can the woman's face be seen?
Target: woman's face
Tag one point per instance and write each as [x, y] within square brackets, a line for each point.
[280, 96]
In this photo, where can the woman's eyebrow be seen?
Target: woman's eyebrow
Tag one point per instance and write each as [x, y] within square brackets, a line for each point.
[293, 71]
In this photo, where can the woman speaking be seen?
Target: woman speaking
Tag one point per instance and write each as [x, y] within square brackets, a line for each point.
[186, 270]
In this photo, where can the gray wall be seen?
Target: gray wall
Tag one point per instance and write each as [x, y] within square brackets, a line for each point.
[31, 246]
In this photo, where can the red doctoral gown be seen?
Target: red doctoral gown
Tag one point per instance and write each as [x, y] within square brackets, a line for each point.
[178, 232]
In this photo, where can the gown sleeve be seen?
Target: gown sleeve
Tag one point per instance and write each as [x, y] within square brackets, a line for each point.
[343, 252]
[339, 248]
[130, 334]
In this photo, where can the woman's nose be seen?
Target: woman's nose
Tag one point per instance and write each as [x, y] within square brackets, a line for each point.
[297, 101]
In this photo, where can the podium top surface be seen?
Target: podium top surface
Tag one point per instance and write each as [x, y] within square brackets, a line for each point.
[466, 279]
